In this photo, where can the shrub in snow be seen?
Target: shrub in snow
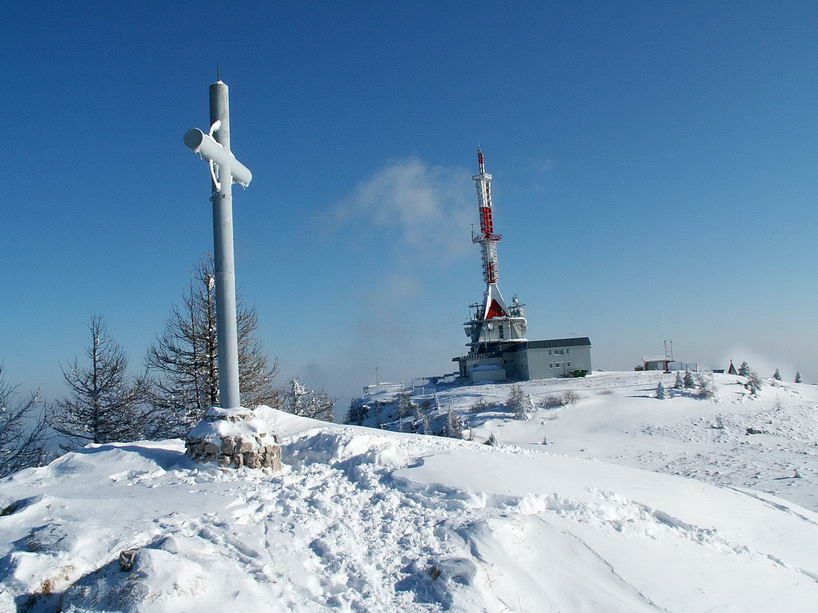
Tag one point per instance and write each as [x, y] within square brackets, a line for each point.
[753, 384]
[797, 377]
[302, 401]
[707, 388]
[491, 440]
[744, 370]
[570, 397]
[551, 402]
[481, 406]
[660, 391]
[777, 375]
[688, 381]
[519, 402]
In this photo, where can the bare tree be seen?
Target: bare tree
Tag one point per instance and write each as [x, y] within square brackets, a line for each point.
[105, 405]
[184, 359]
[299, 400]
[22, 429]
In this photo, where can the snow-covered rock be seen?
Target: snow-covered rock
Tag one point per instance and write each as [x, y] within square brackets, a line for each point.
[235, 437]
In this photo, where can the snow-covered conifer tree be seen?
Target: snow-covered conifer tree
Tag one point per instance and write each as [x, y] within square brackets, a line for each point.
[454, 425]
[491, 440]
[22, 429]
[105, 406]
[744, 370]
[406, 407]
[797, 376]
[777, 375]
[519, 402]
[753, 383]
[660, 391]
[304, 402]
[707, 387]
[678, 383]
[688, 381]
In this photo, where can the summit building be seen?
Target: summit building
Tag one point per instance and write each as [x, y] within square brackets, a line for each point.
[499, 349]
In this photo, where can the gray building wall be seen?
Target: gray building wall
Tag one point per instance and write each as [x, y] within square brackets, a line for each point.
[533, 360]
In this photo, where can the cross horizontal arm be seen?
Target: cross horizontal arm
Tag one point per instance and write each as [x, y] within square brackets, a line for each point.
[207, 147]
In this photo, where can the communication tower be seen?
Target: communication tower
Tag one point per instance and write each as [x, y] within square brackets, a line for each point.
[493, 324]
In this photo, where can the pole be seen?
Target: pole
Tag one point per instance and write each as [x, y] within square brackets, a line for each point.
[225, 269]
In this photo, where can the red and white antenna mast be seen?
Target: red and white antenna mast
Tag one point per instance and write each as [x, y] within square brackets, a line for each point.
[488, 239]
[494, 324]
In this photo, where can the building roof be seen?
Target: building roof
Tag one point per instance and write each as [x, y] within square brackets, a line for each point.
[578, 341]
[656, 358]
[554, 343]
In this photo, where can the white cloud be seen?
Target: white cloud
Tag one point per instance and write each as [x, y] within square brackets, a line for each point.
[764, 365]
[429, 207]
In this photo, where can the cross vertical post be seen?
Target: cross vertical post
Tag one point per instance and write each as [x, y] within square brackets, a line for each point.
[226, 326]
[224, 170]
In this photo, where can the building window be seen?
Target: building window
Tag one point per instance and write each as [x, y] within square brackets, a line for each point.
[550, 352]
[567, 351]
[550, 365]
[568, 363]
[557, 364]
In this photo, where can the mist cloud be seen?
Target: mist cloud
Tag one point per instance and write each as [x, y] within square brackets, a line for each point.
[428, 207]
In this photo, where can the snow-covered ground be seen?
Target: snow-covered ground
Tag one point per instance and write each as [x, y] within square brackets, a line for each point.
[618, 419]
[365, 519]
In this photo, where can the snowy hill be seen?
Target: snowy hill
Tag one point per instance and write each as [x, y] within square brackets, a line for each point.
[767, 443]
[362, 519]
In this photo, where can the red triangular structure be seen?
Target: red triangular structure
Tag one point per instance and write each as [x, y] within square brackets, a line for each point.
[495, 310]
[732, 370]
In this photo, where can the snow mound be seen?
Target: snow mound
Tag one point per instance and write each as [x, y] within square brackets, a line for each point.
[362, 519]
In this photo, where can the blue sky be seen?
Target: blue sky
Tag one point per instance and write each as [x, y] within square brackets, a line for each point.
[654, 163]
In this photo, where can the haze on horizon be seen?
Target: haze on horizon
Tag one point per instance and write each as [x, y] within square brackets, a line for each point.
[654, 178]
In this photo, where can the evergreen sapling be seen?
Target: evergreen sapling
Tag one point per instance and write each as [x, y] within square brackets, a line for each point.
[678, 383]
[753, 384]
[660, 391]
